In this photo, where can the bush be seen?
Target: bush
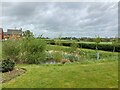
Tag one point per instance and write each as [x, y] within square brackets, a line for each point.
[57, 56]
[7, 65]
[71, 57]
[28, 50]
[33, 51]
[73, 46]
[49, 56]
[10, 49]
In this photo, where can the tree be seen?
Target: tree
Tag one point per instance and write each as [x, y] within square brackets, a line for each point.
[114, 43]
[58, 40]
[74, 46]
[40, 36]
[27, 34]
[97, 41]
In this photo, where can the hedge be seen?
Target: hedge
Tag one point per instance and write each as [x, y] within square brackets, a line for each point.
[105, 47]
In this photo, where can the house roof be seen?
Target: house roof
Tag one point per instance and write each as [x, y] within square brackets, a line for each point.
[14, 31]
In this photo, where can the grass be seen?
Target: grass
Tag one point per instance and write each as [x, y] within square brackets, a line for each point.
[100, 42]
[75, 75]
[87, 73]
[87, 53]
[69, 41]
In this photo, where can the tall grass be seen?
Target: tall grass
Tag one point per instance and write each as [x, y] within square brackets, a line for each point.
[25, 50]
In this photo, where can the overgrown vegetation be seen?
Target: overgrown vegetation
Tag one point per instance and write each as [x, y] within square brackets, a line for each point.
[82, 65]
[34, 51]
[7, 65]
[30, 51]
[84, 54]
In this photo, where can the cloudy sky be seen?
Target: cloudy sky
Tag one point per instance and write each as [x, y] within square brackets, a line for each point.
[76, 19]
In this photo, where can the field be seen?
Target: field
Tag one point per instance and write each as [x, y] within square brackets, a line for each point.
[87, 73]
[100, 42]
[77, 75]
[86, 54]
[69, 41]
[106, 46]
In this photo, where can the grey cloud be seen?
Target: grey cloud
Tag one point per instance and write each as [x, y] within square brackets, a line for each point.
[71, 19]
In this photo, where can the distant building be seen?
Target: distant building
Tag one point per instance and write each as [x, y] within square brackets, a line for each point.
[13, 34]
[1, 34]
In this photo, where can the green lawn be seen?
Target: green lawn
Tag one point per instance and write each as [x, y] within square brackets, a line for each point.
[75, 75]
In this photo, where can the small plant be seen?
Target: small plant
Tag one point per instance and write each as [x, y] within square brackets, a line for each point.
[49, 56]
[71, 57]
[7, 65]
[57, 56]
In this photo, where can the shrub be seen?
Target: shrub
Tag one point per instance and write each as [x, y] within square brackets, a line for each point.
[7, 65]
[10, 49]
[33, 51]
[49, 56]
[58, 42]
[57, 56]
[73, 46]
[71, 57]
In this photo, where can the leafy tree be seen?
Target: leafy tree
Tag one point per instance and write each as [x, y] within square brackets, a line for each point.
[27, 34]
[40, 36]
[58, 40]
[114, 43]
[74, 47]
[97, 41]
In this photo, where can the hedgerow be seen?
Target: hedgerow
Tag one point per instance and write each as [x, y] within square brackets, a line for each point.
[105, 47]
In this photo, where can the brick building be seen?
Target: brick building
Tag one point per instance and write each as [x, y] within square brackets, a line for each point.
[13, 34]
[1, 34]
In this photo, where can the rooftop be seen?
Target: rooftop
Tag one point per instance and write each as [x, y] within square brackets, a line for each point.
[14, 31]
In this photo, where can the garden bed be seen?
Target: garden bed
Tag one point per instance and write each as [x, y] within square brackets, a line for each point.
[7, 76]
